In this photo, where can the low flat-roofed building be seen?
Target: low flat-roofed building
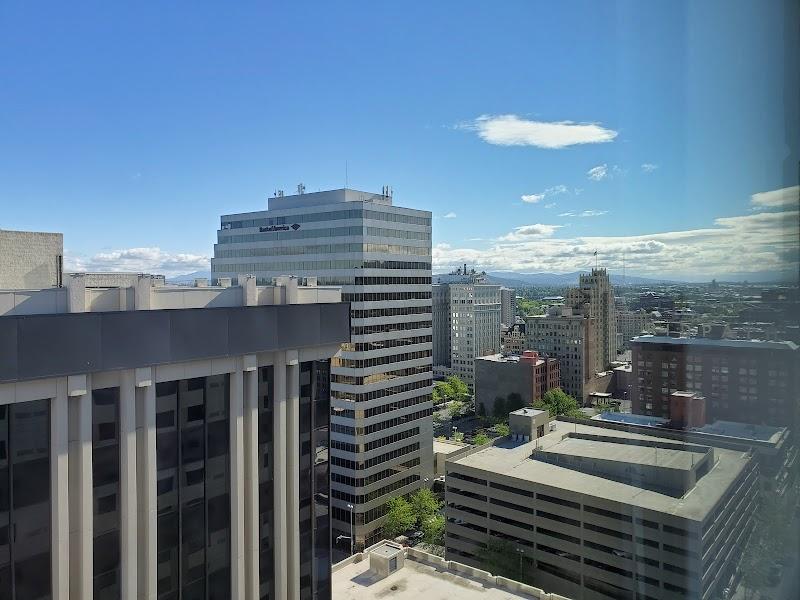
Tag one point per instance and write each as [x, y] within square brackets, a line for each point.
[598, 512]
[387, 570]
[528, 376]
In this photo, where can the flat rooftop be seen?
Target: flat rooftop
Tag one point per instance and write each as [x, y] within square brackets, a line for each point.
[446, 448]
[629, 454]
[745, 431]
[724, 343]
[513, 459]
[424, 576]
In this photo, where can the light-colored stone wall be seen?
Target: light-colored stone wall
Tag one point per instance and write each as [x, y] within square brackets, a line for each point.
[30, 260]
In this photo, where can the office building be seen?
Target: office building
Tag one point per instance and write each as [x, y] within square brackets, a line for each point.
[440, 300]
[525, 377]
[748, 381]
[166, 442]
[471, 322]
[632, 323]
[513, 338]
[595, 513]
[595, 296]
[381, 381]
[388, 569]
[508, 306]
[30, 260]
[566, 334]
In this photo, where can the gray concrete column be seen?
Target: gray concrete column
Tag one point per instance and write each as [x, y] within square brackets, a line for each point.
[251, 522]
[279, 424]
[59, 485]
[293, 478]
[146, 482]
[127, 486]
[237, 481]
[80, 487]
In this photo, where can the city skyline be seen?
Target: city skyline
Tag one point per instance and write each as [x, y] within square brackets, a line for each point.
[668, 153]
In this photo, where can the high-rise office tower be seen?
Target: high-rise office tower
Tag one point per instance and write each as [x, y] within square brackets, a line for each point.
[466, 321]
[162, 442]
[508, 306]
[381, 382]
[594, 292]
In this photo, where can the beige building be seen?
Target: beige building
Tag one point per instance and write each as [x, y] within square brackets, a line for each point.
[631, 323]
[593, 512]
[30, 260]
[595, 296]
[567, 335]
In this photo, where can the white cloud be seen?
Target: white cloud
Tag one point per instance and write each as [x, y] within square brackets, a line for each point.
[138, 260]
[450, 215]
[583, 213]
[649, 167]
[550, 205]
[598, 173]
[577, 191]
[526, 232]
[511, 130]
[551, 191]
[788, 196]
[768, 240]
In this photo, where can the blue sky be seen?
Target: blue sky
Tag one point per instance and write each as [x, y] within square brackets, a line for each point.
[132, 128]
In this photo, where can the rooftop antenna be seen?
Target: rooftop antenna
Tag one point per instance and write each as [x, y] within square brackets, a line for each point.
[301, 189]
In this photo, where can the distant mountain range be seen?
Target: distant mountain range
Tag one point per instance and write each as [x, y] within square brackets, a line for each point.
[189, 277]
[512, 279]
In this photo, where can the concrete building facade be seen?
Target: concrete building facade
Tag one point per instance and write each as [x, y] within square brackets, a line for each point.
[632, 323]
[596, 297]
[508, 306]
[568, 336]
[30, 260]
[167, 442]
[472, 323]
[500, 375]
[748, 381]
[381, 381]
[593, 513]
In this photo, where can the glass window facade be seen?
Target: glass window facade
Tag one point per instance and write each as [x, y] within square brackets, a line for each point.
[105, 493]
[193, 488]
[25, 501]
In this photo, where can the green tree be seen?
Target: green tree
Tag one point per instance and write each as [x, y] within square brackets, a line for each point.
[455, 409]
[501, 557]
[399, 519]
[499, 409]
[442, 392]
[480, 439]
[459, 388]
[514, 402]
[458, 436]
[557, 403]
[502, 429]
[425, 505]
[433, 530]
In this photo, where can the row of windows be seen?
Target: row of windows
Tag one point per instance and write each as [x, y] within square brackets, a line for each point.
[326, 232]
[383, 344]
[387, 327]
[379, 410]
[378, 377]
[316, 265]
[334, 215]
[358, 465]
[390, 391]
[322, 249]
[385, 296]
[391, 281]
[373, 313]
[369, 480]
[355, 363]
[348, 430]
[384, 441]
[362, 498]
